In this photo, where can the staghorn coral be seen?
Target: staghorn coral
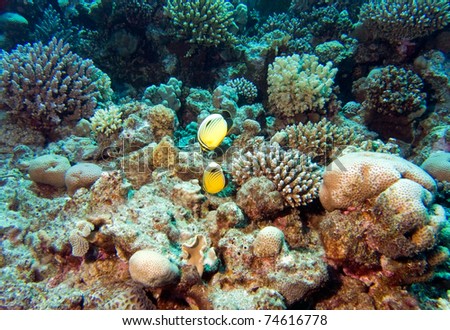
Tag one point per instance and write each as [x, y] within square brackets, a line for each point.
[404, 19]
[47, 86]
[204, 23]
[322, 141]
[299, 84]
[296, 177]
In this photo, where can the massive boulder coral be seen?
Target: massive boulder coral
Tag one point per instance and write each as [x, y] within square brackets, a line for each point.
[381, 226]
[46, 86]
[296, 177]
[400, 20]
[354, 178]
[299, 84]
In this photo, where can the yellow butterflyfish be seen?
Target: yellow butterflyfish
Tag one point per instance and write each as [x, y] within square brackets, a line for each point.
[214, 180]
[213, 130]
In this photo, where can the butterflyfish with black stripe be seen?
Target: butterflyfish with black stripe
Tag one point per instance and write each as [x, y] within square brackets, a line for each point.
[213, 130]
[214, 180]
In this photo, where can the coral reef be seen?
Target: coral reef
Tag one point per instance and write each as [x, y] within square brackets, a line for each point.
[202, 22]
[333, 163]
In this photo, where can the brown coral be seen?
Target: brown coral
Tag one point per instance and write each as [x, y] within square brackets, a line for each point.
[296, 177]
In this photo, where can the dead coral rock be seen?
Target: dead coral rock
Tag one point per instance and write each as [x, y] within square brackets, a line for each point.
[259, 199]
[165, 154]
[137, 166]
[341, 238]
[229, 215]
[188, 195]
[351, 294]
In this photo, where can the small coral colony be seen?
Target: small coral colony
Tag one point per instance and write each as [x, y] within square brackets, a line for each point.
[213, 154]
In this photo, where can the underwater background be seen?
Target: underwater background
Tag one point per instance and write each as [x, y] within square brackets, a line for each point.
[213, 154]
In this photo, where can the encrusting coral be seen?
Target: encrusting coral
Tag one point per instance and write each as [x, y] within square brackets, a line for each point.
[295, 176]
[299, 84]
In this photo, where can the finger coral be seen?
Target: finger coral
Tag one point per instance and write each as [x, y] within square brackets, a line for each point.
[299, 84]
[295, 176]
[48, 85]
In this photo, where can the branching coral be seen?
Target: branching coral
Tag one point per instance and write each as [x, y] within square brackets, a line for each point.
[296, 177]
[392, 91]
[244, 88]
[107, 121]
[45, 86]
[205, 23]
[404, 19]
[321, 141]
[298, 85]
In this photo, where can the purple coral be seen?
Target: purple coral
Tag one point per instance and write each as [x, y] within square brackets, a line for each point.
[46, 85]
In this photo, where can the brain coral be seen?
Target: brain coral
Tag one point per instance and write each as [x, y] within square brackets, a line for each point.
[296, 177]
[404, 19]
[355, 177]
[81, 175]
[152, 269]
[299, 84]
[49, 169]
[438, 166]
[268, 242]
